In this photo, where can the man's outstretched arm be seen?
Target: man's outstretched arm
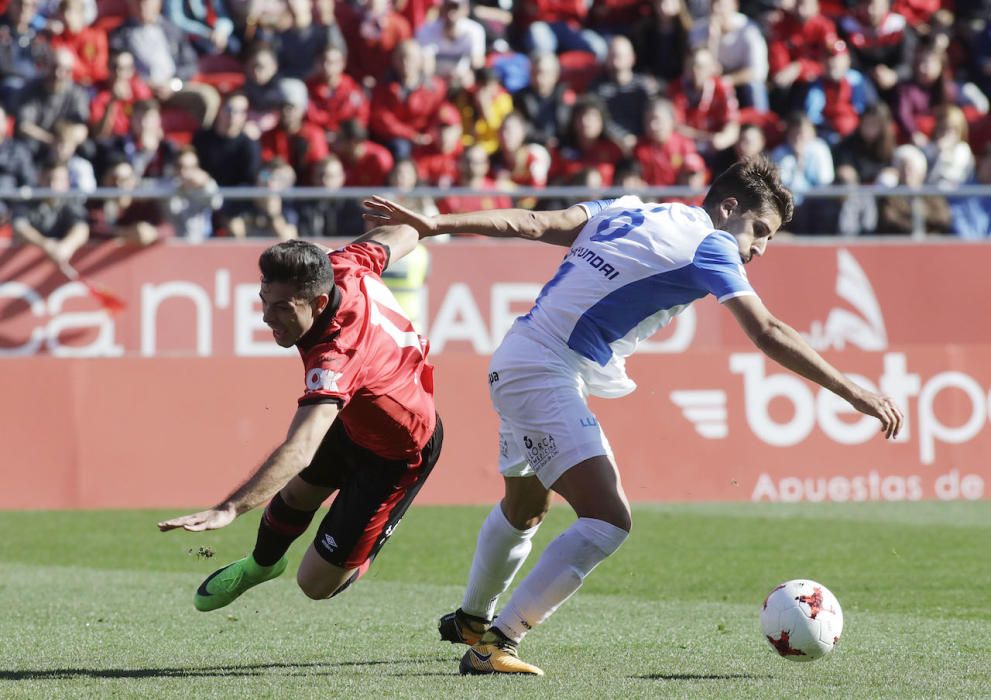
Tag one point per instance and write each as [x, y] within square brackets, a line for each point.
[559, 227]
[785, 345]
[308, 428]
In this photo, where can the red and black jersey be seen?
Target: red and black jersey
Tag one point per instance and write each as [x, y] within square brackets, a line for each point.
[363, 354]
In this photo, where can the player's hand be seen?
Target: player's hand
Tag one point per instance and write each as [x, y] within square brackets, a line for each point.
[882, 408]
[383, 212]
[212, 519]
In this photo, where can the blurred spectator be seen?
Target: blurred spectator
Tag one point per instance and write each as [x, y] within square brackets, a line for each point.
[404, 178]
[190, 209]
[705, 104]
[484, 104]
[165, 60]
[865, 156]
[262, 87]
[473, 173]
[919, 214]
[327, 218]
[225, 151]
[17, 168]
[839, 96]
[373, 33]
[301, 44]
[751, 142]
[416, 11]
[111, 107]
[334, 95]
[661, 152]
[206, 23]
[47, 14]
[49, 99]
[624, 94]
[69, 136]
[557, 26]
[805, 163]
[404, 109]
[438, 163]
[661, 40]
[366, 163]
[88, 44]
[145, 147]
[862, 156]
[57, 226]
[799, 42]
[268, 215]
[882, 43]
[930, 86]
[454, 41]
[693, 173]
[256, 19]
[616, 17]
[21, 51]
[951, 162]
[739, 47]
[546, 102]
[517, 163]
[980, 54]
[587, 145]
[294, 140]
[127, 218]
[971, 216]
[629, 176]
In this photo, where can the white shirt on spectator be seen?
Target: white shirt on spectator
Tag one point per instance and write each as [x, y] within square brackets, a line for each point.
[151, 54]
[743, 46]
[800, 174]
[466, 49]
[949, 167]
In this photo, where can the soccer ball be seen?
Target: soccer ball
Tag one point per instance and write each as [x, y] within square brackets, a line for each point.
[802, 620]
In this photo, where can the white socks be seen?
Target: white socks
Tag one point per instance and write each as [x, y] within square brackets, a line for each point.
[559, 573]
[499, 554]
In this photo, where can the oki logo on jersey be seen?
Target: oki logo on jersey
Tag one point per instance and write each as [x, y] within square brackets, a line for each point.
[319, 379]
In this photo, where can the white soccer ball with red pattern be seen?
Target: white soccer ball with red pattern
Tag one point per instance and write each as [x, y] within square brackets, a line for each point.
[802, 620]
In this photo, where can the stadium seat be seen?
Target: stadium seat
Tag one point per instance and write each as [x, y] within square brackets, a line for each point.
[223, 72]
[579, 69]
[179, 125]
[110, 14]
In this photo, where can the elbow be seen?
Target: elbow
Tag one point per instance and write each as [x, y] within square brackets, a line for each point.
[531, 227]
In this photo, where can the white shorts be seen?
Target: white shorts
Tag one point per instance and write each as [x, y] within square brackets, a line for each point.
[545, 424]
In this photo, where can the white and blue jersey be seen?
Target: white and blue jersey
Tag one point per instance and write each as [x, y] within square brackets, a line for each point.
[633, 267]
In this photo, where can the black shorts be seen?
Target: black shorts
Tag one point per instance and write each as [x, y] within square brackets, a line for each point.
[373, 496]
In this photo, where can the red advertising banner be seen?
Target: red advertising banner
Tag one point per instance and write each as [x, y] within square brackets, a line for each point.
[174, 400]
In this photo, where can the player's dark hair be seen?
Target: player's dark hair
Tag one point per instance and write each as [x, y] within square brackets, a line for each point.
[299, 263]
[756, 185]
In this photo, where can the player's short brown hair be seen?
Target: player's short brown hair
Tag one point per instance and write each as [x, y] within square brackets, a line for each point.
[756, 185]
[299, 263]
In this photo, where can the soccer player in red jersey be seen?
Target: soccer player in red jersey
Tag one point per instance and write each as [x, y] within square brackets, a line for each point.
[365, 426]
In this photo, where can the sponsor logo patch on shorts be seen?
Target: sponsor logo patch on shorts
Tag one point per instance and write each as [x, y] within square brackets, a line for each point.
[540, 449]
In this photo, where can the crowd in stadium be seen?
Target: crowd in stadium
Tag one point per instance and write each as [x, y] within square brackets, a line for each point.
[491, 95]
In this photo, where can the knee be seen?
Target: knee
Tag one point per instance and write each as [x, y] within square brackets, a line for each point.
[312, 589]
[525, 511]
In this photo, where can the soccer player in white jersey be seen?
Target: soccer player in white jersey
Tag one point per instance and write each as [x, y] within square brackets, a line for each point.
[631, 267]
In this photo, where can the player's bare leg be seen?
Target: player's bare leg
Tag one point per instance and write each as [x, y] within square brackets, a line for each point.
[319, 579]
[594, 490]
[287, 516]
[504, 541]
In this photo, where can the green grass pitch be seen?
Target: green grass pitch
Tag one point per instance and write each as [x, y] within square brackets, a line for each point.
[99, 604]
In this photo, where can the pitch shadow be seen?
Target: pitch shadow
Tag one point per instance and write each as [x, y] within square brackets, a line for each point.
[240, 670]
